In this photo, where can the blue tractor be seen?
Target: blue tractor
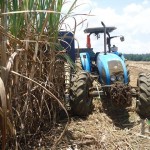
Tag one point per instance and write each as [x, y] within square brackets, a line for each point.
[102, 73]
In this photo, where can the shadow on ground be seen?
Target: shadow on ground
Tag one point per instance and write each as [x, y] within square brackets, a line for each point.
[119, 116]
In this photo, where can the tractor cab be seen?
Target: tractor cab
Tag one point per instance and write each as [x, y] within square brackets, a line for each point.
[110, 64]
[107, 40]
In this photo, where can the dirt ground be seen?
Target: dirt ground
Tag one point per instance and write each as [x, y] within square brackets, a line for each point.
[136, 68]
[109, 128]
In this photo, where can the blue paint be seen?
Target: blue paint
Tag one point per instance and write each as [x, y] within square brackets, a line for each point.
[102, 63]
[85, 61]
[120, 55]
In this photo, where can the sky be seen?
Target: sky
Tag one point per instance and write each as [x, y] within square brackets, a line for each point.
[131, 17]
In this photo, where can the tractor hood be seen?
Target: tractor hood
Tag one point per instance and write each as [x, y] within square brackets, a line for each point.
[111, 69]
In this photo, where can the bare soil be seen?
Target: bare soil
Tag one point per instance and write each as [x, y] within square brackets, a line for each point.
[136, 68]
[108, 128]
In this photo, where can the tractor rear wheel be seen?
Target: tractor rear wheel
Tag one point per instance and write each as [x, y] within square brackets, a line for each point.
[81, 102]
[143, 107]
[78, 64]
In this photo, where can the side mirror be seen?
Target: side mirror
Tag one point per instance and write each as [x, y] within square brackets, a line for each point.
[122, 38]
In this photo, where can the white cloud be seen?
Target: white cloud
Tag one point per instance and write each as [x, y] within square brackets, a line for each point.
[133, 22]
[132, 9]
[145, 2]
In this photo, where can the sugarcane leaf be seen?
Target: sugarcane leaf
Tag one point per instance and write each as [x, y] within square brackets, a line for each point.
[4, 112]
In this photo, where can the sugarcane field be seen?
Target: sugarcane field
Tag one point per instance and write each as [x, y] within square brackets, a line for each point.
[74, 76]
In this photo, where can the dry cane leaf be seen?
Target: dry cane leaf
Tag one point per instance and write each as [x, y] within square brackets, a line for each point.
[3, 118]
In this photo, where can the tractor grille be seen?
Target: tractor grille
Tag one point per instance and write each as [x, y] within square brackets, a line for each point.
[116, 69]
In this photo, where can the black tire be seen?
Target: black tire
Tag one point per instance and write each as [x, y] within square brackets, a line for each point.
[143, 106]
[81, 102]
[78, 65]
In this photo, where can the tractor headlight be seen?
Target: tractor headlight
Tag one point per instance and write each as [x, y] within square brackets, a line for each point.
[113, 78]
[120, 78]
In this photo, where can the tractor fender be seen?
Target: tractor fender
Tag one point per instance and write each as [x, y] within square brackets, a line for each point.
[85, 61]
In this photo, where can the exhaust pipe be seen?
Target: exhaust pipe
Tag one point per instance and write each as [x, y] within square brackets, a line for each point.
[105, 42]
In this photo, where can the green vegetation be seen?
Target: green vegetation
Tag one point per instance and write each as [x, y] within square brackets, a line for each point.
[32, 78]
[137, 57]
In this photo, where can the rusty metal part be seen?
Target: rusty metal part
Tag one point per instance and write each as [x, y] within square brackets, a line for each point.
[121, 95]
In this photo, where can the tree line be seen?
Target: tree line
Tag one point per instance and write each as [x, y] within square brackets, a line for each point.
[137, 57]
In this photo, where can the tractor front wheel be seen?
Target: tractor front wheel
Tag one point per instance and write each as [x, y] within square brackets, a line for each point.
[143, 106]
[81, 102]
